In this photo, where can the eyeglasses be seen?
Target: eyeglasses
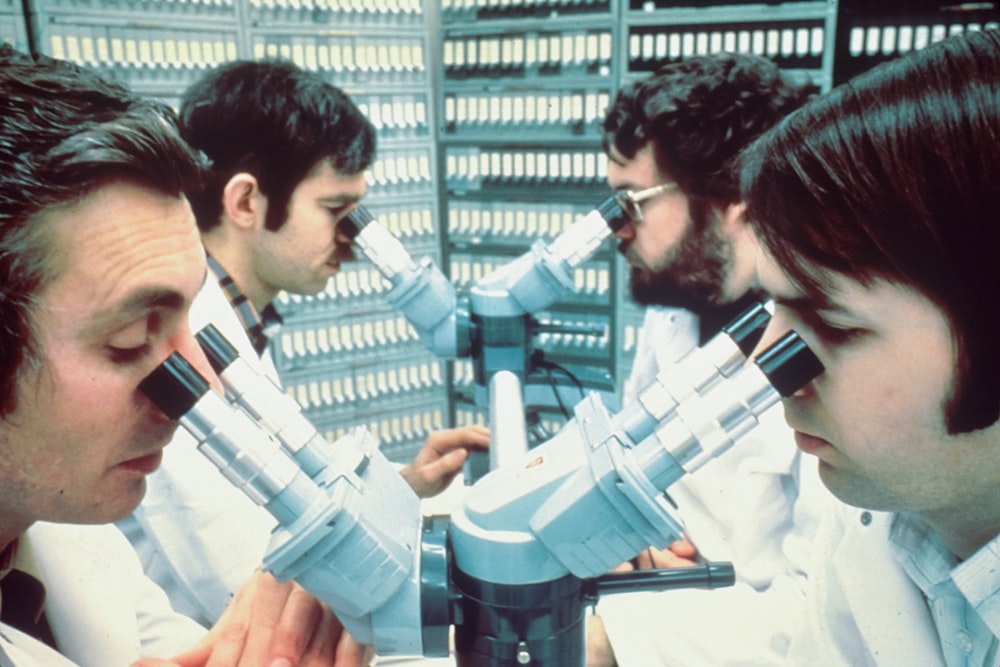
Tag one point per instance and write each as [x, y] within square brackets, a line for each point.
[631, 202]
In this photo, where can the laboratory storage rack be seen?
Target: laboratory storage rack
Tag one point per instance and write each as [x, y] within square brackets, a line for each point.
[524, 88]
[344, 354]
[156, 48]
[870, 33]
[12, 25]
[524, 85]
[798, 36]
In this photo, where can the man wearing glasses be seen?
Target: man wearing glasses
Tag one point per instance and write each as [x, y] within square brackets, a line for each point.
[672, 139]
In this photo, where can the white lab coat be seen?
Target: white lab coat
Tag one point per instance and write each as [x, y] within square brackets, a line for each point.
[862, 609]
[102, 609]
[756, 506]
[197, 535]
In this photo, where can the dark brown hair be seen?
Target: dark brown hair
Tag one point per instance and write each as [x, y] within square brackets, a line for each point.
[896, 175]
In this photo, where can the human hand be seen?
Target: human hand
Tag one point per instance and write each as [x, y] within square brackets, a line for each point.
[272, 624]
[442, 457]
[679, 554]
[599, 651]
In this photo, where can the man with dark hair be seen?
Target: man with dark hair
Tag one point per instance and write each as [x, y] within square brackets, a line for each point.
[99, 262]
[876, 209]
[672, 140]
[288, 154]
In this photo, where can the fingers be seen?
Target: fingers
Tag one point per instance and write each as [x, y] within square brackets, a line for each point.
[445, 440]
[684, 549]
[477, 437]
[287, 639]
[322, 647]
[352, 654]
[271, 623]
[268, 622]
[599, 651]
[627, 566]
[434, 476]
[331, 645]
[655, 559]
[224, 644]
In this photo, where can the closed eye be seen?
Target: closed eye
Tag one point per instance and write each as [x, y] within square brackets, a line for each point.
[128, 355]
[831, 333]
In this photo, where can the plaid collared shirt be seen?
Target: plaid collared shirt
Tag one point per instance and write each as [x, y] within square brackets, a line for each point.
[260, 327]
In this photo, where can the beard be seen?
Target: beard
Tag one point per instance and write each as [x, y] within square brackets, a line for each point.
[691, 277]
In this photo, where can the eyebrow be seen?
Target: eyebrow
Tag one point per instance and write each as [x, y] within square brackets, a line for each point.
[809, 304]
[341, 199]
[796, 303]
[146, 299]
[149, 298]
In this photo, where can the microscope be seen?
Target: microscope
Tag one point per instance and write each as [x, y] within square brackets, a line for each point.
[514, 568]
[494, 323]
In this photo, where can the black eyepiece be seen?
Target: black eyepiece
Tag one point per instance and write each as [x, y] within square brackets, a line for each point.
[174, 386]
[789, 364]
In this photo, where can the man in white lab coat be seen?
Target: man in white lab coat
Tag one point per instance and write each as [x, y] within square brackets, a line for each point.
[876, 210]
[288, 154]
[672, 139]
[100, 260]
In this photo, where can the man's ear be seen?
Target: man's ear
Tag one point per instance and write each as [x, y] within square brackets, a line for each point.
[242, 202]
[734, 217]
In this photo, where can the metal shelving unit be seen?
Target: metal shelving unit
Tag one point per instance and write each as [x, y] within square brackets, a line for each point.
[870, 33]
[523, 91]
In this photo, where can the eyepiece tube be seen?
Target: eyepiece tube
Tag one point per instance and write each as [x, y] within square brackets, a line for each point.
[355, 221]
[582, 239]
[174, 386]
[381, 248]
[263, 400]
[789, 364]
[244, 454]
[705, 426]
[695, 372]
[748, 327]
[220, 352]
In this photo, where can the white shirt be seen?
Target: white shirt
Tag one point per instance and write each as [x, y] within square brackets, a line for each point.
[756, 506]
[862, 610]
[102, 609]
[964, 599]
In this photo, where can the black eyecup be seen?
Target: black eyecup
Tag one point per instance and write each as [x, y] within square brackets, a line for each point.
[355, 221]
[174, 386]
[612, 212]
[748, 327]
[789, 364]
[217, 348]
